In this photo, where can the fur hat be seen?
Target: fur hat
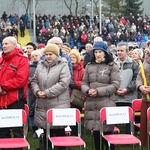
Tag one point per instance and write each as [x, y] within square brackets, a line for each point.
[52, 48]
[139, 51]
[101, 46]
[66, 48]
[76, 54]
[41, 46]
[32, 44]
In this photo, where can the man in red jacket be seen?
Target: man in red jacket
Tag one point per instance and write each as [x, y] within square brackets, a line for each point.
[14, 73]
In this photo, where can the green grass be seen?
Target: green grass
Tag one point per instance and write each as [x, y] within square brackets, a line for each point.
[87, 137]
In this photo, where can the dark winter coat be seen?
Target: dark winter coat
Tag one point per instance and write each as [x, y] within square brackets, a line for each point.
[31, 100]
[105, 79]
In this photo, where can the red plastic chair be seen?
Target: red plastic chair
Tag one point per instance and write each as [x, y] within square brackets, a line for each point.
[148, 126]
[118, 139]
[68, 141]
[26, 108]
[136, 106]
[16, 142]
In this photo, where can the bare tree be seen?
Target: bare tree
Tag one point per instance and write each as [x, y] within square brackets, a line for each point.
[69, 6]
[96, 10]
[26, 3]
[76, 9]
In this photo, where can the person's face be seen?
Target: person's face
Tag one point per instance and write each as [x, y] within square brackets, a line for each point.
[130, 53]
[8, 46]
[99, 55]
[135, 56]
[121, 52]
[49, 56]
[30, 49]
[147, 55]
[35, 57]
[88, 48]
[73, 59]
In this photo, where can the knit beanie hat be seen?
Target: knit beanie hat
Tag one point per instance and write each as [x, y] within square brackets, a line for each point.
[52, 48]
[76, 54]
[32, 44]
[139, 51]
[41, 46]
[66, 48]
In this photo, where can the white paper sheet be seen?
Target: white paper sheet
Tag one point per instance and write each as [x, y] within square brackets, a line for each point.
[117, 115]
[66, 116]
[10, 117]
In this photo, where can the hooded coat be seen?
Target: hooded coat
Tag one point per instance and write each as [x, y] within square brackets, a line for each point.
[14, 73]
[105, 79]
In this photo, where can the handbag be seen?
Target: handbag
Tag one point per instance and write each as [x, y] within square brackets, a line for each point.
[77, 98]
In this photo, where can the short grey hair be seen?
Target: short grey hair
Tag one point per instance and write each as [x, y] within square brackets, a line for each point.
[12, 39]
[97, 39]
[123, 44]
[89, 44]
[54, 38]
[36, 52]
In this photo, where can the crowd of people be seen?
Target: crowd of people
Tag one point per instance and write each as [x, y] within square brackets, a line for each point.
[79, 30]
[46, 75]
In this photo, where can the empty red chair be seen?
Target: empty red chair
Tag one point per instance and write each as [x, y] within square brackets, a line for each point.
[68, 141]
[119, 139]
[15, 142]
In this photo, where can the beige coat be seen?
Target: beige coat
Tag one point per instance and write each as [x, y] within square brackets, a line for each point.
[54, 79]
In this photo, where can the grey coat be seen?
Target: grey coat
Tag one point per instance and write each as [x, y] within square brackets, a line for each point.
[105, 79]
[54, 79]
[139, 80]
[128, 73]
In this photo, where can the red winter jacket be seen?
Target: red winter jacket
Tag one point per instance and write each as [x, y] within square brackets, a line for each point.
[83, 37]
[78, 72]
[14, 73]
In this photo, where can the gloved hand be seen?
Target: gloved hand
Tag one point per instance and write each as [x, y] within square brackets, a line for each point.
[72, 85]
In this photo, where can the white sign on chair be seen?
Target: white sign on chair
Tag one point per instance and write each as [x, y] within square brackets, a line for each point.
[10, 118]
[64, 116]
[117, 115]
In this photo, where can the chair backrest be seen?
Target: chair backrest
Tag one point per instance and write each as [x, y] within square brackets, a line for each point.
[63, 117]
[148, 114]
[13, 117]
[103, 116]
[119, 116]
[136, 104]
[26, 108]
[24, 117]
[148, 120]
[50, 115]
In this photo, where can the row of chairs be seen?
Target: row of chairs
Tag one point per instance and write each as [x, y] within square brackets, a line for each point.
[61, 117]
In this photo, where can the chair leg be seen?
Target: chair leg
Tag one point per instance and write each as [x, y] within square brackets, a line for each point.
[148, 141]
[92, 139]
